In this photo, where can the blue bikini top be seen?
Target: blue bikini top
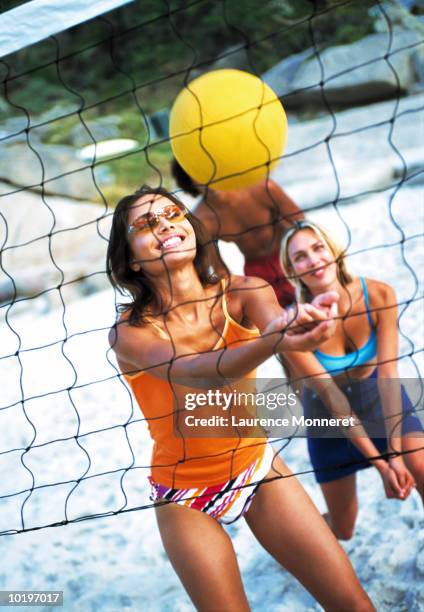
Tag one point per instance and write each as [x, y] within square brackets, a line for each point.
[338, 364]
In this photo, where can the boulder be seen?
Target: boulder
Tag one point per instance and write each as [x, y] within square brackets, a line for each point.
[371, 69]
[14, 127]
[57, 165]
[358, 73]
[101, 128]
[13, 130]
[49, 244]
[279, 76]
[417, 58]
[233, 57]
[362, 156]
[399, 13]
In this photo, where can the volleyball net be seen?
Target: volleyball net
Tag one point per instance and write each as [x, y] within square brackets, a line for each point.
[74, 443]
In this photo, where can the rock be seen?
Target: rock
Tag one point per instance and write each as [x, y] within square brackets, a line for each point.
[57, 165]
[39, 126]
[52, 124]
[76, 248]
[57, 112]
[399, 15]
[351, 74]
[361, 154]
[326, 189]
[280, 75]
[232, 57]
[101, 128]
[357, 73]
[417, 58]
[13, 130]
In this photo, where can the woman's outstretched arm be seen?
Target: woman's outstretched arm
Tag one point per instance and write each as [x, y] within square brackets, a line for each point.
[383, 301]
[142, 349]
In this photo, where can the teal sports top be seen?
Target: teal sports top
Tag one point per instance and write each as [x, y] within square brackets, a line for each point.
[338, 364]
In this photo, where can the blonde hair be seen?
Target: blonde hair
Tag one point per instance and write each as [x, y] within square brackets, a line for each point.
[338, 252]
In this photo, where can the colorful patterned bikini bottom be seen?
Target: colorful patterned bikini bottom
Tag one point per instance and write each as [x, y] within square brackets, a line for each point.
[225, 502]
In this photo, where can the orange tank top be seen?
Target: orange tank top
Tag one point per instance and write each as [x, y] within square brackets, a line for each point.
[181, 462]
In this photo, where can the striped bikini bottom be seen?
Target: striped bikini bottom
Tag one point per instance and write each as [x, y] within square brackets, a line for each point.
[226, 502]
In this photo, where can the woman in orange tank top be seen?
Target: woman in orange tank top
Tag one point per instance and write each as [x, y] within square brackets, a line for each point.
[185, 327]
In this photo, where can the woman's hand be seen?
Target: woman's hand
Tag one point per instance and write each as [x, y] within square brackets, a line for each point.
[303, 317]
[404, 476]
[327, 302]
[397, 480]
[303, 328]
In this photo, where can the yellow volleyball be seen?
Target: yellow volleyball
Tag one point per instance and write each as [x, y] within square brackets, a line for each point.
[228, 129]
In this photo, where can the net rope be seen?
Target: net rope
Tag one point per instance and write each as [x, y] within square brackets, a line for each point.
[19, 454]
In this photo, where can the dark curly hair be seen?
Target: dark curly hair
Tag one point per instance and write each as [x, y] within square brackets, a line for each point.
[207, 262]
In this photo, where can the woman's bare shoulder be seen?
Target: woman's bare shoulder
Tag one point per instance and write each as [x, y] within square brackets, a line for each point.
[123, 331]
[380, 293]
[242, 283]
[243, 288]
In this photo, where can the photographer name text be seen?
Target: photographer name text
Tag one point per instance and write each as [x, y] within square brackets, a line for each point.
[266, 422]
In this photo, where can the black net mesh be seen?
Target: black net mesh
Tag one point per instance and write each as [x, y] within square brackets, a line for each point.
[64, 400]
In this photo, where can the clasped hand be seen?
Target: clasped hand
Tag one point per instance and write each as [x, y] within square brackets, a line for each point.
[305, 326]
[398, 481]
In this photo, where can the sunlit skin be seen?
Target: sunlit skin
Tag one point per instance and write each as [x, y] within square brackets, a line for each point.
[314, 263]
[247, 217]
[149, 246]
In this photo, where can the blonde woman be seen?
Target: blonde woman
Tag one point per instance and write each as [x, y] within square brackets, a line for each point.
[353, 373]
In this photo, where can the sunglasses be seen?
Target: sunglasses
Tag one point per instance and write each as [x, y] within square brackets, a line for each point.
[150, 220]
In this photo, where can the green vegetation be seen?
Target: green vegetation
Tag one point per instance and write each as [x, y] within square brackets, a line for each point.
[138, 57]
[150, 166]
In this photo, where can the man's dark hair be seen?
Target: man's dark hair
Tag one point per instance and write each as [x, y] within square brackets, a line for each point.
[183, 180]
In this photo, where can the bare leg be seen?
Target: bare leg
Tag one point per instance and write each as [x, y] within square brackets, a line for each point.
[415, 461]
[203, 557]
[342, 504]
[287, 524]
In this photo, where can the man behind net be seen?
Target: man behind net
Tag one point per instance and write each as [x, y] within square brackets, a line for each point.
[254, 218]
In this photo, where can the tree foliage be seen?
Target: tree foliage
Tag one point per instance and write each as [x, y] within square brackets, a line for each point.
[149, 46]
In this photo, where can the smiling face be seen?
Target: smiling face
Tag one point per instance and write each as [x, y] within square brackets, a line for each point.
[312, 260]
[159, 235]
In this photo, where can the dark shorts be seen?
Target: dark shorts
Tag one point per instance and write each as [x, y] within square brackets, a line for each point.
[269, 269]
[334, 458]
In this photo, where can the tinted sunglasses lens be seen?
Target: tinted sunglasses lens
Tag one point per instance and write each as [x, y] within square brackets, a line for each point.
[150, 220]
[145, 222]
[173, 213]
